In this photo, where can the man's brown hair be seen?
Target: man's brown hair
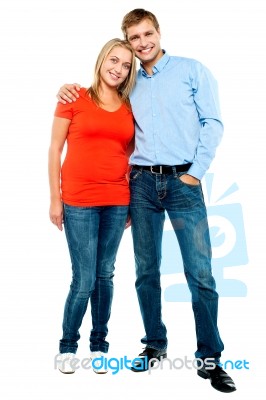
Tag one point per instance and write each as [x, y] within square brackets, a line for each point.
[134, 17]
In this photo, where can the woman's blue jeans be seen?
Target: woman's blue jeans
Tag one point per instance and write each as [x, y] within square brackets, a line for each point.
[93, 235]
[152, 195]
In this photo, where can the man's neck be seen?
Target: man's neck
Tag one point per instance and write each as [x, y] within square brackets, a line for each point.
[148, 66]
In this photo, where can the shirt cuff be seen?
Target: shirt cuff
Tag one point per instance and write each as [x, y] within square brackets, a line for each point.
[196, 171]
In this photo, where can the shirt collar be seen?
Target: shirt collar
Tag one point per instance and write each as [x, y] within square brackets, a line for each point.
[159, 66]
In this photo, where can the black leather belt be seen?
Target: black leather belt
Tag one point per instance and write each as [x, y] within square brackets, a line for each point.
[164, 169]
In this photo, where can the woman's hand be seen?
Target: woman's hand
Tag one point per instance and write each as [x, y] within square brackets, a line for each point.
[128, 223]
[56, 213]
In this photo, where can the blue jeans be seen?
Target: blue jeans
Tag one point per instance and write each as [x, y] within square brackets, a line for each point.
[151, 196]
[93, 235]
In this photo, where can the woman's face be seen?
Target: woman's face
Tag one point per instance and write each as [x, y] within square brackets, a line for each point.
[116, 66]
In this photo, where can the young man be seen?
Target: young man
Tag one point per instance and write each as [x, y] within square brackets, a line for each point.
[178, 127]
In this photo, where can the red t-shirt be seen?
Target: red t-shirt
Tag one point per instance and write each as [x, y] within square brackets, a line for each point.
[94, 169]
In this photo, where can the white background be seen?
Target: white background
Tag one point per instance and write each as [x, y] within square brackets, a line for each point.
[46, 43]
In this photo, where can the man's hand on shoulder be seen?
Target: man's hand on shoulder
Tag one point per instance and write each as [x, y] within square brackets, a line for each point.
[68, 93]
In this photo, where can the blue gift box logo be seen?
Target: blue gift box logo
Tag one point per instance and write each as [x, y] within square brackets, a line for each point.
[229, 248]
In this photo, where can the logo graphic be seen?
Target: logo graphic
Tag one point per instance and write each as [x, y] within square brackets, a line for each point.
[229, 247]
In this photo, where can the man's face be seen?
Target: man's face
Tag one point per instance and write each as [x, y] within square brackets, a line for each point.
[145, 40]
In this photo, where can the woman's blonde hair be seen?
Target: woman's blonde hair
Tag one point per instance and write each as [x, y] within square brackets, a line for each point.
[127, 85]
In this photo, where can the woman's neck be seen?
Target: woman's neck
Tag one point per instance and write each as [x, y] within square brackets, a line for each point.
[110, 99]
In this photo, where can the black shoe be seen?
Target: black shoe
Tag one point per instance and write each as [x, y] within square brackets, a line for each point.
[144, 359]
[219, 379]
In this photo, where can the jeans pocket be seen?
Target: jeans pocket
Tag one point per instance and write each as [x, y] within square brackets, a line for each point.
[179, 174]
[134, 174]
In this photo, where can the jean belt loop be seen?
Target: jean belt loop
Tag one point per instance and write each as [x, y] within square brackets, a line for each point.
[174, 171]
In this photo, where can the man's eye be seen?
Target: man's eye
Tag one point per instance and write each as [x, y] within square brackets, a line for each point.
[133, 38]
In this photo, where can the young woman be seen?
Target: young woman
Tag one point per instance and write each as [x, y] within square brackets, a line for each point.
[90, 192]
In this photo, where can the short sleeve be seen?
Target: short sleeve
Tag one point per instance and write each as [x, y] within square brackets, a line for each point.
[64, 110]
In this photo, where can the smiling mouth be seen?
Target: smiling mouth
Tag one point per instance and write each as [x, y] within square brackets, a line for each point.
[146, 51]
[113, 76]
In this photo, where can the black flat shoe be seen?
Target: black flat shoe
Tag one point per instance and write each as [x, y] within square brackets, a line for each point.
[220, 380]
[144, 359]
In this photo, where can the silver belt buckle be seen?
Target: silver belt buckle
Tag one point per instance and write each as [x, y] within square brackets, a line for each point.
[161, 169]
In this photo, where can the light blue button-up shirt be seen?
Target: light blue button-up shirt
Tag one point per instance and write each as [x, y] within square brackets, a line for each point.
[177, 115]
